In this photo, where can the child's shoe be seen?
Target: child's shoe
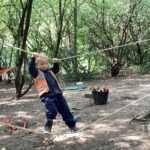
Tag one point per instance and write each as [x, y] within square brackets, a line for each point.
[48, 127]
[77, 118]
[75, 129]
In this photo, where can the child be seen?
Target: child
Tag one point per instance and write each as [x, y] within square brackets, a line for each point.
[50, 91]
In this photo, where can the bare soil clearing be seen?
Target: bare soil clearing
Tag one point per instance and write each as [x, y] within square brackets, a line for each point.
[114, 132]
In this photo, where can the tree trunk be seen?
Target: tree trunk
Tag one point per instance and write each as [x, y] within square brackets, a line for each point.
[75, 63]
[60, 26]
[22, 38]
[115, 68]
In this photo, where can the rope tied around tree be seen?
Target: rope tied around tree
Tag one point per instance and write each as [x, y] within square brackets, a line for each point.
[6, 70]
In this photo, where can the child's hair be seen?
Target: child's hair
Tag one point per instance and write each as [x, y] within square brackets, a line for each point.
[42, 55]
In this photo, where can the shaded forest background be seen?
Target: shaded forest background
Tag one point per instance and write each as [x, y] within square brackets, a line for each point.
[64, 28]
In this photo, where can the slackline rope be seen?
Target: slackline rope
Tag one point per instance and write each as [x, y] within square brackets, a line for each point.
[116, 111]
[80, 55]
[133, 43]
[107, 49]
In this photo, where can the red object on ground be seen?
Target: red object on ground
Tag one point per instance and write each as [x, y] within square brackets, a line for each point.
[106, 89]
[9, 123]
[25, 122]
[12, 127]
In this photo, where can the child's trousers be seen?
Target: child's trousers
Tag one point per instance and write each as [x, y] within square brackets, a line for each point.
[58, 103]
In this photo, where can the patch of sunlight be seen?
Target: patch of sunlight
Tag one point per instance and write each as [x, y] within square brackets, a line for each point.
[39, 129]
[132, 137]
[26, 100]
[105, 113]
[81, 137]
[144, 89]
[4, 137]
[105, 127]
[122, 120]
[144, 85]
[30, 95]
[137, 104]
[81, 125]
[17, 102]
[70, 92]
[126, 80]
[23, 114]
[5, 90]
[2, 116]
[4, 103]
[123, 144]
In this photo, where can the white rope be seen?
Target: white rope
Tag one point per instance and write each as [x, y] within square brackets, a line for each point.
[114, 112]
[17, 48]
[20, 128]
[30, 130]
[39, 133]
[107, 49]
[55, 136]
[80, 55]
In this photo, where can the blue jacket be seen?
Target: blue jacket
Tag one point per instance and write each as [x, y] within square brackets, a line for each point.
[52, 84]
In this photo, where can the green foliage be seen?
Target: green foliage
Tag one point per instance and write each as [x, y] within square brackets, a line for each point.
[100, 24]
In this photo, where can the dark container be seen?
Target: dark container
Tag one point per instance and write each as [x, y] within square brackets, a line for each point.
[100, 98]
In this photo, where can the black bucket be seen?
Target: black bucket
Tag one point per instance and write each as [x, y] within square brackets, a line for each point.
[100, 98]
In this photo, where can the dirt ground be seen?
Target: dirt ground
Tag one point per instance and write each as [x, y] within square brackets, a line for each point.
[114, 132]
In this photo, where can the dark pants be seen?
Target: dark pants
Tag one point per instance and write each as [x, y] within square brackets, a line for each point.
[58, 103]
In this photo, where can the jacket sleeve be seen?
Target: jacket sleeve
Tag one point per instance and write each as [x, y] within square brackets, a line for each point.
[33, 70]
[55, 68]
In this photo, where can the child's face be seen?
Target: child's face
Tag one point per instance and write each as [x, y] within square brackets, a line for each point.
[42, 64]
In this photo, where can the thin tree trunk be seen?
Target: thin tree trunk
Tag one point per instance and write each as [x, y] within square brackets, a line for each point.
[75, 63]
[22, 38]
[60, 26]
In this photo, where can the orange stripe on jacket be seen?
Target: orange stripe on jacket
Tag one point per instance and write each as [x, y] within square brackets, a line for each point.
[41, 83]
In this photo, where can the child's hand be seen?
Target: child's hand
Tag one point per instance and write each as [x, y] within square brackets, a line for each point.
[55, 60]
[35, 54]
